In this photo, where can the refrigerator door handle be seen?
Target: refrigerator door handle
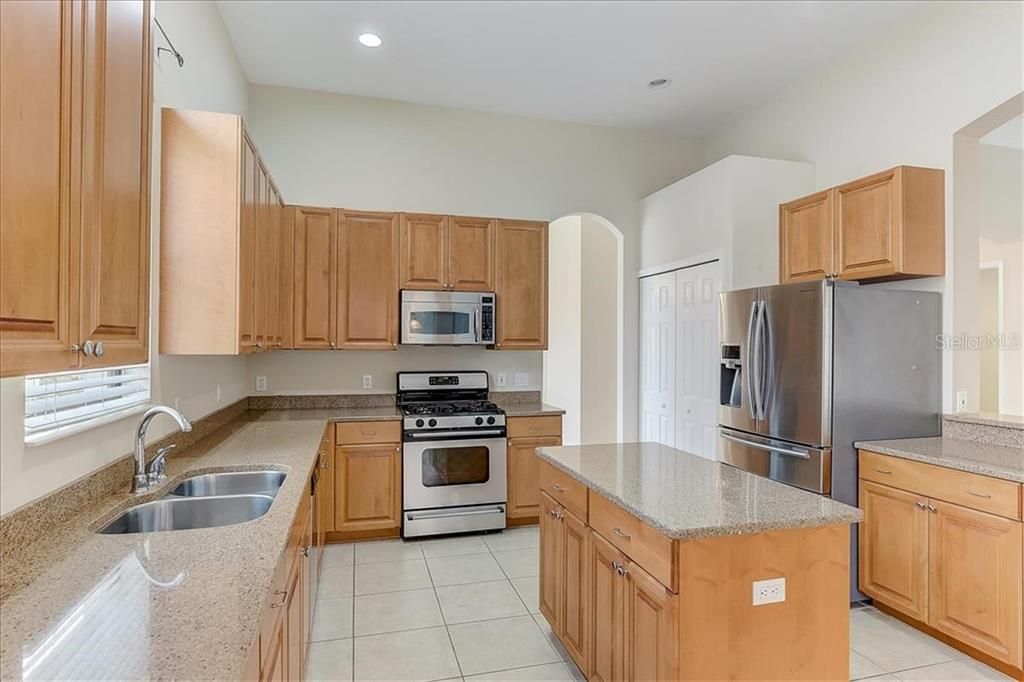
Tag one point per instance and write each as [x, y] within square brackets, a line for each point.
[757, 364]
[763, 446]
[751, 365]
[763, 361]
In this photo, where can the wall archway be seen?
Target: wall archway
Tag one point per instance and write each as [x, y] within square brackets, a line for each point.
[584, 363]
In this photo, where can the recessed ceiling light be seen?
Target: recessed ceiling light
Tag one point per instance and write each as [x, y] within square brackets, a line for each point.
[659, 83]
[370, 40]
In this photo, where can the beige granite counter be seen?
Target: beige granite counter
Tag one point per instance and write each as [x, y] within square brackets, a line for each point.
[171, 605]
[989, 460]
[530, 409]
[686, 496]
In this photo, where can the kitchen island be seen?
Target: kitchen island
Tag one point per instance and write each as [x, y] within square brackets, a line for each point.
[649, 559]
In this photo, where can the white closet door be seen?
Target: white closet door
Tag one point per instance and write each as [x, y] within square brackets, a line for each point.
[696, 360]
[657, 358]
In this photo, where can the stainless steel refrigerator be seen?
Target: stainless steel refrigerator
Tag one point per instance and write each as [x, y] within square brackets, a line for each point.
[808, 368]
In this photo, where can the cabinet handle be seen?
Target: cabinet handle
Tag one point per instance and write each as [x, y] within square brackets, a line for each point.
[99, 351]
[305, 551]
[883, 471]
[931, 508]
[982, 495]
[921, 505]
[87, 348]
[621, 533]
[557, 488]
[619, 568]
[75, 348]
[284, 598]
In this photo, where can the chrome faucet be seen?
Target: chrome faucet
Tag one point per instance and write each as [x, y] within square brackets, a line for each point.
[144, 478]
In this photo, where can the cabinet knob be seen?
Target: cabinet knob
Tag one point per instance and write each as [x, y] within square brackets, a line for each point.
[87, 348]
[99, 350]
[75, 348]
[920, 505]
[932, 509]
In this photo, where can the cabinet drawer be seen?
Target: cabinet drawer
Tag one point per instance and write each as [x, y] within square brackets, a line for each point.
[973, 491]
[527, 427]
[355, 433]
[564, 489]
[641, 543]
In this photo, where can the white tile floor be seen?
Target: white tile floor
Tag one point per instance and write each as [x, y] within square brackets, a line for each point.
[466, 608]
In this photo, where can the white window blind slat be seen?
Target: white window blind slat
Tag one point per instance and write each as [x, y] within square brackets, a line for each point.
[56, 401]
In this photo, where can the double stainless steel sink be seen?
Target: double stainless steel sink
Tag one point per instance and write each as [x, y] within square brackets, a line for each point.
[204, 501]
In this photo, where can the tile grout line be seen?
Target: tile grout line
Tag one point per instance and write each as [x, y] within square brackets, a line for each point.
[444, 621]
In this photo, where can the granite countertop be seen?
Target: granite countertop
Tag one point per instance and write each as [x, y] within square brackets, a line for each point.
[530, 409]
[686, 496]
[997, 461]
[1006, 421]
[183, 604]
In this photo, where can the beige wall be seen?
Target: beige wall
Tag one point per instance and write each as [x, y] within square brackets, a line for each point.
[211, 79]
[600, 291]
[563, 360]
[898, 100]
[358, 152]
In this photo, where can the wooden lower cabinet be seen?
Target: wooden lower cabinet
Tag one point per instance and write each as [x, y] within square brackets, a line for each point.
[564, 591]
[366, 471]
[951, 569]
[524, 475]
[606, 621]
[651, 642]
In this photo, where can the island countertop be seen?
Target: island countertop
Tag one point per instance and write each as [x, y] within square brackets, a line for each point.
[685, 496]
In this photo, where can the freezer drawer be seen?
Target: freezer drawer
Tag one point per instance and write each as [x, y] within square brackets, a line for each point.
[796, 465]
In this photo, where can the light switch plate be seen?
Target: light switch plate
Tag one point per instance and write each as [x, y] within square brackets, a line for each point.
[261, 383]
[502, 379]
[367, 381]
[769, 591]
[522, 379]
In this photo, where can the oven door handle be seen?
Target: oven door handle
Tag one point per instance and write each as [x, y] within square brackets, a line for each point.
[449, 434]
[416, 516]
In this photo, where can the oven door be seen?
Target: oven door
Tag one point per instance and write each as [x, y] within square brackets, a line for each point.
[441, 323]
[453, 473]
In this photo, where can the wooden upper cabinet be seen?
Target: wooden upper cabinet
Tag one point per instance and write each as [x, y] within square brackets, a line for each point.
[315, 234]
[38, 231]
[805, 238]
[522, 285]
[424, 251]
[890, 225]
[286, 275]
[893, 548]
[471, 253]
[975, 579]
[367, 266]
[222, 250]
[116, 117]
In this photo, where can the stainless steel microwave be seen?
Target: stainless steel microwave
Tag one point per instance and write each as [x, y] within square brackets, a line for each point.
[447, 318]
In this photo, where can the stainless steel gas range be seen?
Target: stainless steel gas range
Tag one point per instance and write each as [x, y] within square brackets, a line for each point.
[453, 454]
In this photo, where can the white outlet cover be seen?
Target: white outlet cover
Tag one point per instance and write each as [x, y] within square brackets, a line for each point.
[367, 381]
[961, 401]
[769, 591]
[261, 383]
[502, 379]
[522, 379]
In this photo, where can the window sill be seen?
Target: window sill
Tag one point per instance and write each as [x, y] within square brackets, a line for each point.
[64, 432]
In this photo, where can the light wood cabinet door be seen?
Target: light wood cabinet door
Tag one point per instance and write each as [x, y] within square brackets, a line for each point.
[286, 272]
[607, 613]
[893, 551]
[367, 311]
[423, 251]
[38, 231]
[522, 285]
[867, 226]
[275, 668]
[117, 105]
[975, 579]
[294, 612]
[550, 562]
[524, 475]
[315, 237]
[805, 238]
[471, 253]
[575, 586]
[267, 249]
[247, 237]
[368, 487]
[651, 628]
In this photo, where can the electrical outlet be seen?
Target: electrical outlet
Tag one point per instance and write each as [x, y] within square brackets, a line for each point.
[367, 381]
[522, 379]
[769, 591]
[502, 379]
[961, 401]
[261, 383]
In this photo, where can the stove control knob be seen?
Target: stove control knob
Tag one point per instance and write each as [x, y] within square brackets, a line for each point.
[432, 422]
[479, 421]
[490, 420]
[419, 422]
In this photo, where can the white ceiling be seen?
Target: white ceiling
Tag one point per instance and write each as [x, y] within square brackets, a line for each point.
[585, 62]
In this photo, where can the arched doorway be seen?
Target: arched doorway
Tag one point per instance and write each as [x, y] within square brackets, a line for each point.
[583, 364]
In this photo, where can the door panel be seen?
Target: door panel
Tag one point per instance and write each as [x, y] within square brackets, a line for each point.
[867, 220]
[471, 253]
[651, 623]
[522, 285]
[805, 238]
[424, 248]
[607, 630]
[524, 475]
[735, 313]
[658, 358]
[115, 198]
[550, 562]
[315, 236]
[367, 268]
[696, 363]
[368, 487]
[975, 579]
[575, 587]
[247, 250]
[38, 233]
[797, 366]
[893, 556]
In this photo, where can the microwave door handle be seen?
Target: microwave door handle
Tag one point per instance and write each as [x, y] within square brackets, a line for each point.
[476, 324]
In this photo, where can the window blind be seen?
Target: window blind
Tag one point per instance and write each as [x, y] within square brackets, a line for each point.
[57, 401]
